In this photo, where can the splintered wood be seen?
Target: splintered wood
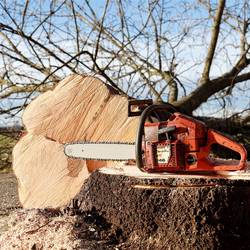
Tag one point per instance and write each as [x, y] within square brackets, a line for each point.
[79, 108]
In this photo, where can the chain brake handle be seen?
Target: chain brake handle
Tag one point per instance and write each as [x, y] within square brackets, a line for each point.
[136, 107]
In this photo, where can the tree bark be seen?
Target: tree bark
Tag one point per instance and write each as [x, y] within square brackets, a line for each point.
[159, 211]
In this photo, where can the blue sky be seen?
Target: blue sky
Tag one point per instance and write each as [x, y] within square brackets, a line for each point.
[193, 51]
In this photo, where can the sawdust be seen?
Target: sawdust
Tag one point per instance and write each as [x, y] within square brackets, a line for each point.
[39, 229]
[58, 229]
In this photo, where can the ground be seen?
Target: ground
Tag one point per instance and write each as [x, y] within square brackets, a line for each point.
[8, 198]
[8, 183]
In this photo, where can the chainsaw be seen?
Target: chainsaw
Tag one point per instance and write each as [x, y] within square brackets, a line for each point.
[166, 141]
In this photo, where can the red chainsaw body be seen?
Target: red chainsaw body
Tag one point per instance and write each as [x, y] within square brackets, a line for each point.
[186, 147]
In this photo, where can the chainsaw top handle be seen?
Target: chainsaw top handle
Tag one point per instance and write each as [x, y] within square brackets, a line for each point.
[147, 112]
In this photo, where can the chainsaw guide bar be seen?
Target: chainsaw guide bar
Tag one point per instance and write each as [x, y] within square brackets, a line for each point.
[102, 151]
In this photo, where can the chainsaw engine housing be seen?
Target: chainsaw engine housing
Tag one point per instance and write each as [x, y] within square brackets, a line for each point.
[184, 144]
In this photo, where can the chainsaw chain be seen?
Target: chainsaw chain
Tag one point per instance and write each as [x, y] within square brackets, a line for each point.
[98, 142]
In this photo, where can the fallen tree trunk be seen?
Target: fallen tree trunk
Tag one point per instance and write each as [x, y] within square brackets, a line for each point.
[79, 108]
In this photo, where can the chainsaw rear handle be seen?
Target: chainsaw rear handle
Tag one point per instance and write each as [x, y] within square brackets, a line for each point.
[215, 137]
[168, 108]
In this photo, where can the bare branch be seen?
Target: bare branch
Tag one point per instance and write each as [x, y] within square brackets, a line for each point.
[213, 41]
[100, 30]
[24, 13]
[77, 30]
[203, 92]
[139, 50]
[33, 41]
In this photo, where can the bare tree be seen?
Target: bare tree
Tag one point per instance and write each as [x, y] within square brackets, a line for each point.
[193, 54]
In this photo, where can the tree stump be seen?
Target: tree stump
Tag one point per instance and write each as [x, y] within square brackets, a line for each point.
[162, 211]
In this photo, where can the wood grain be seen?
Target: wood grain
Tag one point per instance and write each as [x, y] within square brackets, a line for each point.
[79, 108]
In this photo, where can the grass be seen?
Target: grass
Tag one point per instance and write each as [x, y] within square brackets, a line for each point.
[7, 142]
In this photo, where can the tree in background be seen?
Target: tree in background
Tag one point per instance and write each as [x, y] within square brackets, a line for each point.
[193, 54]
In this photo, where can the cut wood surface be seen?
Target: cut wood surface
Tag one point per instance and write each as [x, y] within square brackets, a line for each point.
[79, 108]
